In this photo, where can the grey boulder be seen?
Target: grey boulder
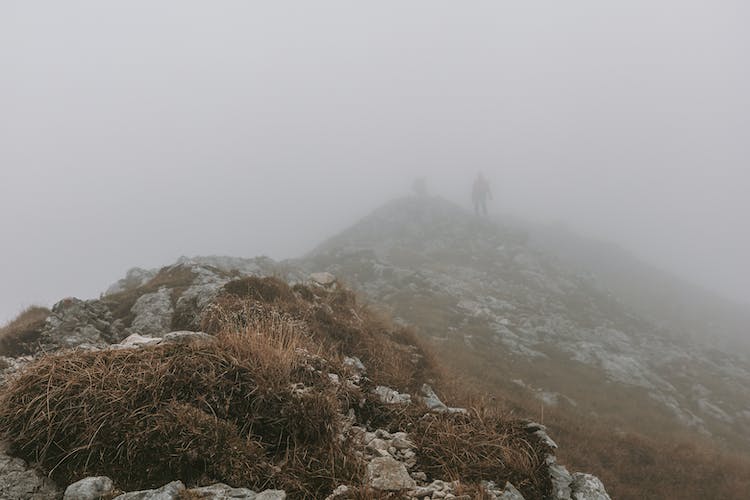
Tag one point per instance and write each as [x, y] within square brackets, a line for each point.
[588, 487]
[170, 491]
[324, 279]
[510, 493]
[388, 474]
[271, 495]
[560, 478]
[223, 492]
[89, 488]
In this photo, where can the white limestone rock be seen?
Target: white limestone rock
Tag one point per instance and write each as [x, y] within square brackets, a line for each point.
[391, 397]
[561, 479]
[135, 340]
[153, 313]
[355, 364]
[324, 279]
[169, 491]
[89, 488]
[588, 487]
[271, 495]
[134, 278]
[388, 474]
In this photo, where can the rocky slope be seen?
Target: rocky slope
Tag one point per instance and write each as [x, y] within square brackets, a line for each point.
[494, 303]
[682, 307]
[85, 380]
[553, 329]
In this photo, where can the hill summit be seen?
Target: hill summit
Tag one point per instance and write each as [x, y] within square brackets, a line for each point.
[538, 322]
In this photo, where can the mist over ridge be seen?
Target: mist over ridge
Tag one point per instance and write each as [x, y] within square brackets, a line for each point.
[135, 150]
[348, 250]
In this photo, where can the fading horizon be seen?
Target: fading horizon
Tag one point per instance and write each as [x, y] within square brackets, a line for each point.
[134, 133]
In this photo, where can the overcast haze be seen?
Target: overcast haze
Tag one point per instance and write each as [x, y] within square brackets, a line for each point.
[135, 132]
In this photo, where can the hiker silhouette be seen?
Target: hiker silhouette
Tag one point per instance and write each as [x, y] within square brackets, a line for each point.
[480, 193]
[419, 186]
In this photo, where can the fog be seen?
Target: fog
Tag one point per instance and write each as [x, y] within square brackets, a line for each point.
[132, 133]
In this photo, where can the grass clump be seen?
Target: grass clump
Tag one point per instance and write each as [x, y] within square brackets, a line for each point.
[244, 408]
[21, 335]
[335, 319]
[481, 445]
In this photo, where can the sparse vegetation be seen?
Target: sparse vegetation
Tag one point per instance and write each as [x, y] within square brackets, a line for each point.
[632, 465]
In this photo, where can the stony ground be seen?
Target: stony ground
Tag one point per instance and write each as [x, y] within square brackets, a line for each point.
[185, 295]
[557, 330]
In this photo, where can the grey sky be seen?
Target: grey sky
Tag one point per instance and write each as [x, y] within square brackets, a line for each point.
[135, 132]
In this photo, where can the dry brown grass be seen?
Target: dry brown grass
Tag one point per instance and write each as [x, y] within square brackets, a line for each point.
[254, 406]
[234, 410]
[632, 466]
[479, 446]
[335, 319]
[21, 335]
[483, 445]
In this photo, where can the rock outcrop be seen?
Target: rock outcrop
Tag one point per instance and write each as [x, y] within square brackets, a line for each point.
[74, 322]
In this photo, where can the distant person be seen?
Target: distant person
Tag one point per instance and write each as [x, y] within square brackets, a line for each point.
[419, 186]
[480, 193]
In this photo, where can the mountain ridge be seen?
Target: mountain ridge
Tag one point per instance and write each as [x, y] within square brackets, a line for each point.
[416, 243]
[508, 292]
[535, 334]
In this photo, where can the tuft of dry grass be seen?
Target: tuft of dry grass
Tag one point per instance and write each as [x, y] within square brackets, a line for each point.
[335, 319]
[244, 409]
[481, 445]
[20, 336]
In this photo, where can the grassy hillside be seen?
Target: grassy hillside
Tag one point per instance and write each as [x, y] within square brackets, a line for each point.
[667, 462]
